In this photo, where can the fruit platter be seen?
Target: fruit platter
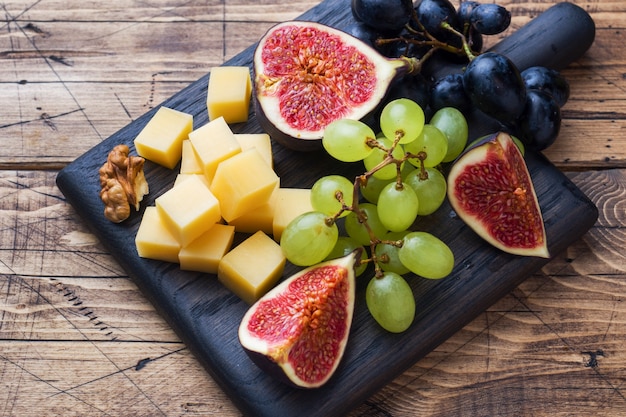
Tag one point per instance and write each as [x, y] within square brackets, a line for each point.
[468, 270]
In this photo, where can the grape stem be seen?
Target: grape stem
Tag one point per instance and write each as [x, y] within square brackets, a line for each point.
[465, 45]
[424, 38]
[361, 181]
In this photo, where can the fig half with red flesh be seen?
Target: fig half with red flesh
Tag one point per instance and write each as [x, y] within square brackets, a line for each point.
[308, 74]
[297, 332]
[490, 188]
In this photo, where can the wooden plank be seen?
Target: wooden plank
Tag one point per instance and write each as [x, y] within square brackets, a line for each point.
[206, 316]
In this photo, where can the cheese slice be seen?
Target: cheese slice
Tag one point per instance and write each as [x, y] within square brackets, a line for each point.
[252, 268]
[228, 93]
[160, 140]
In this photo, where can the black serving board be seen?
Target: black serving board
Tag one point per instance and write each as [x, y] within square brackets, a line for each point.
[206, 315]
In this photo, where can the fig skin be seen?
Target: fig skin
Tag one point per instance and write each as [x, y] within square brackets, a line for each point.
[273, 356]
[269, 95]
[498, 147]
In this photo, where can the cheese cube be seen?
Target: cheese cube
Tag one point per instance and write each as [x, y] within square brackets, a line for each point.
[243, 183]
[253, 267]
[214, 142]
[160, 141]
[188, 210]
[182, 177]
[261, 218]
[154, 240]
[205, 253]
[289, 203]
[228, 93]
[260, 141]
[189, 162]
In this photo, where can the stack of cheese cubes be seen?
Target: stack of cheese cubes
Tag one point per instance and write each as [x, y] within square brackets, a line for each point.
[226, 184]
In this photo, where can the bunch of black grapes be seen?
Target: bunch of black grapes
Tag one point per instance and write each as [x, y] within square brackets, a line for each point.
[525, 103]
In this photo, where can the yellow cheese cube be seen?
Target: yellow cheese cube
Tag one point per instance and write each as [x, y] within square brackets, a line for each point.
[261, 218]
[289, 203]
[253, 267]
[205, 253]
[260, 141]
[188, 210]
[243, 183]
[160, 141]
[189, 162]
[154, 240]
[228, 93]
[213, 143]
[182, 177]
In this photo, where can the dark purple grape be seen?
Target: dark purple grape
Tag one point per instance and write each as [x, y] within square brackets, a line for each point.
[448, 91]
[465, 11]
[387, 16]
[366, 34]
[432, 13]
[494, 85]
[401, 48]
[490, 18]
[475, 41]
[548, 80]
[540, 122]
[414, 87]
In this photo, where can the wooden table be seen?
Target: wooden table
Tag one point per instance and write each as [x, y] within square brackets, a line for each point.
[78, 338]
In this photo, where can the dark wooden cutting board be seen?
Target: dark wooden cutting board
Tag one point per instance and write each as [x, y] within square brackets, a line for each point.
[206, 316]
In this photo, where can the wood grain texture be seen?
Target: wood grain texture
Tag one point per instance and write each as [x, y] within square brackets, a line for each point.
[206, 316]
[86, 341]
[553, 346]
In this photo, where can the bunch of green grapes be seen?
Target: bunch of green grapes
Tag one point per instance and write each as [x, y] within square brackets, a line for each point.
[401, 182]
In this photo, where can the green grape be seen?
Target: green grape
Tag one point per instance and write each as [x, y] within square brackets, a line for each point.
[453, 124]
[391, 302]
[397, 207]
[346, 140]
[393, 263]
[371, 190]
[357, 231]
[323, 194]
[430, 191]
[402, 115]
[308, 239]
[346, 245]
[433, 142]
[426, 255]
[378, 155]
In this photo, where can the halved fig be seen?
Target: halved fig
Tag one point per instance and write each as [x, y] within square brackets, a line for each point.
[490, 188]
[308, 74]
[298, 331]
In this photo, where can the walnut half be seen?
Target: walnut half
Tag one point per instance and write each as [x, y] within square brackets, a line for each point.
[123, 183]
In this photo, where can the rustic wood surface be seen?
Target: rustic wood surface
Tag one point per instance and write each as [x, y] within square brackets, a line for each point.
[78, 338]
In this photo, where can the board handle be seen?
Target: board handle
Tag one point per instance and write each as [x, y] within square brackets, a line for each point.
[554, 39]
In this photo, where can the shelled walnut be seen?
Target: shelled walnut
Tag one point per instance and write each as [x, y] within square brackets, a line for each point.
[123, 183]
